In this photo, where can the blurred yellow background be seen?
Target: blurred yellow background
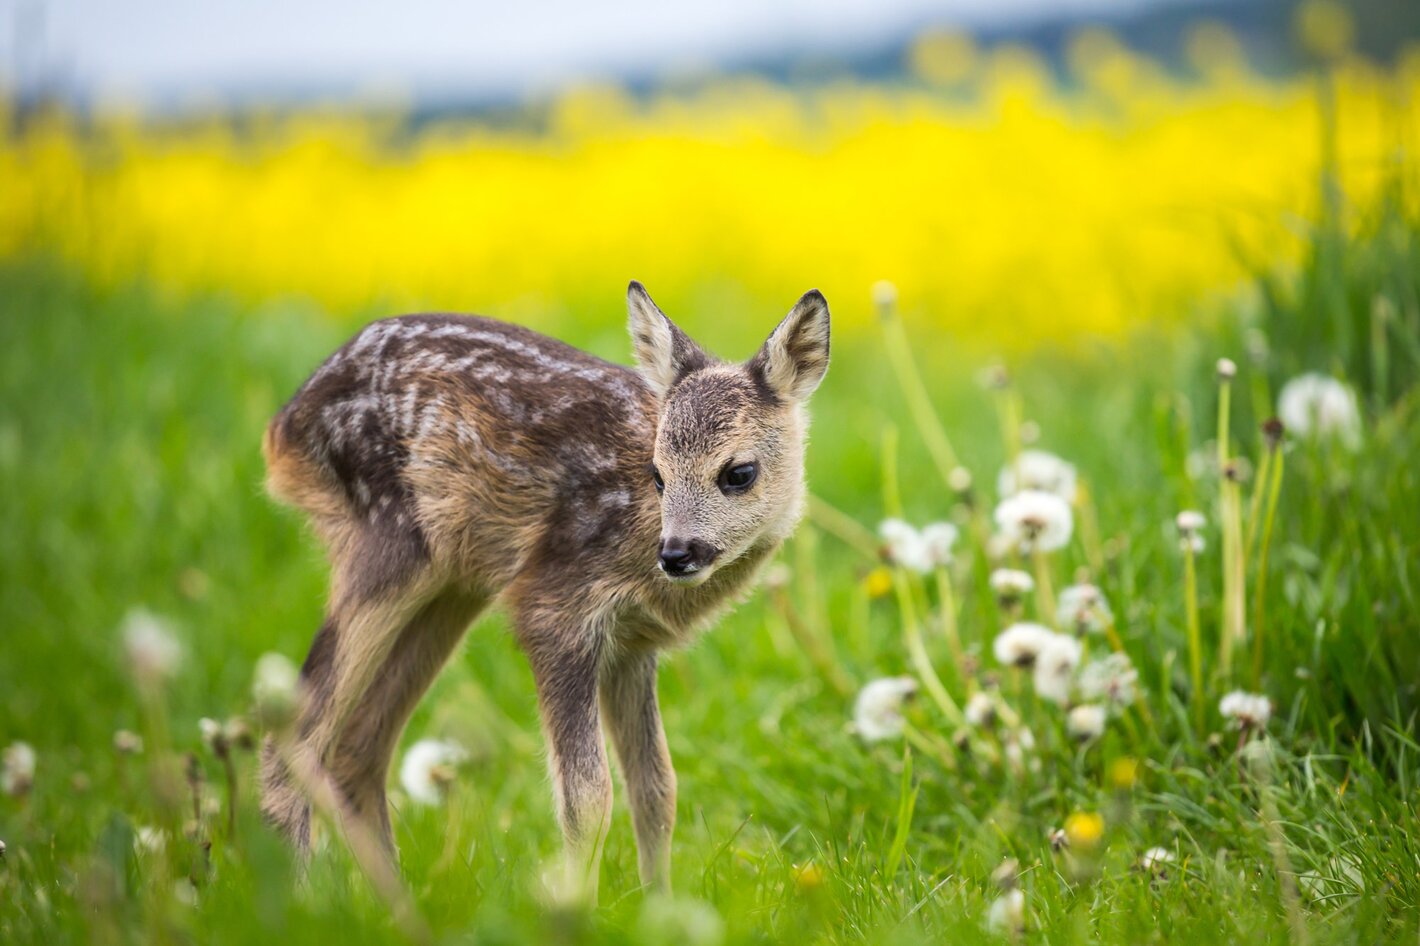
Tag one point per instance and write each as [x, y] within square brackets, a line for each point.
[1013, 207]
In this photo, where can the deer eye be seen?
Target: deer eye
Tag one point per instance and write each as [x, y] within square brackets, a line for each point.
[737, 479]
[656, 476]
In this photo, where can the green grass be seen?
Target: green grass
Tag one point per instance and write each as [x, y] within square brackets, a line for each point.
[130, 471]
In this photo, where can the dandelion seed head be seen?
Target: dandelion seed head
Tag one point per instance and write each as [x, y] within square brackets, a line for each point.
[153, 649]
[1008, 912]
[1083, 609]
[1190, 520]
[959, 479]
[127, 742]
[1018, 748]
[1007, 874]
[918, 550]
[1246, 710]
[1227, 369]
[150, 841]
[1086, 722]
[1321, 408]
[980, 710]
[884, 294]
[1055, 665]
[877, 712]
[276, 689]
[1040, 471]
[1058, 839]
[1111, 679]
[17, 771]
[1011, 584]
[777, 576]
[1272, 431]
[427, 768]
[1155, 860]
[1020, 644]
[214, 737]
[1035, 521]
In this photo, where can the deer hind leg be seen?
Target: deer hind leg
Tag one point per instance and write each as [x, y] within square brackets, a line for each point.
[382, 582]
[359, 758]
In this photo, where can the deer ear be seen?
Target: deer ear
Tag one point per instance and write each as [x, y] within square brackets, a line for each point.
[794, 359]
[664, 354]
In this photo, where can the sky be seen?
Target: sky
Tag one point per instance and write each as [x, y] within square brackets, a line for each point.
[176, 50]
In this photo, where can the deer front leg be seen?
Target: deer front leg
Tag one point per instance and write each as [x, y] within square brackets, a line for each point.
[628, 698]
[565, 662]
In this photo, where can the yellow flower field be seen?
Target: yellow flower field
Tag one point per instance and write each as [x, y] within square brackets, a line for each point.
[1008, 207]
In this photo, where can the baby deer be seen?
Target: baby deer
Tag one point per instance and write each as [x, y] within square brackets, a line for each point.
[448, 461]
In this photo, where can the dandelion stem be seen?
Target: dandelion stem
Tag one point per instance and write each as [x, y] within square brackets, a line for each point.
[1259, 600]
[892, 497]
[1254, 511]
[917, 650]
[842, 526]
[1044, 591]
[1195, 654]
[1234, 624]
[1090, 528]
[946, 600]
[930, 745]
[814, 645]
[231, 771]
[929, 425]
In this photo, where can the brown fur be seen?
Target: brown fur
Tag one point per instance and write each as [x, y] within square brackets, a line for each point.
[450, 461]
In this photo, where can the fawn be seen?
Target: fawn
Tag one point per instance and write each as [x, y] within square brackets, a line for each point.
[448, 461]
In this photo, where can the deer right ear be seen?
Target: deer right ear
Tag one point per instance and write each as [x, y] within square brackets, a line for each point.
[664, 353]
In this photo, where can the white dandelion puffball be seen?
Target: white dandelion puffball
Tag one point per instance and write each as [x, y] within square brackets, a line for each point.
[424, 773]
[150, 840]
[980, 710]
[1155, 859]
[153, 650]
[1086, 722]
[1011, 584]
[1246, 710]
[884, 294]
[939, 537]
[1035, 520]
[877, 713]
[274, 687]
[1008, 912]
[1018, 748]
[1190, 520]
[1083, 609]
[1055, 667]
[17, 774]
[1112, 679]
[1020, 644]
[1038, 470]
[918, 550]
[1313, 405]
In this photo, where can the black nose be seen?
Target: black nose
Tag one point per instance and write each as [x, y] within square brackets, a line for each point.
[677, 557]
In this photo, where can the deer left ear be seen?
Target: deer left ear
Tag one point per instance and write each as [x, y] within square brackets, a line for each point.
[664, 353]
[794, 359]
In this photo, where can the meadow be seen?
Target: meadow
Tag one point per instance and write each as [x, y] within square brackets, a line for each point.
[162, 291]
